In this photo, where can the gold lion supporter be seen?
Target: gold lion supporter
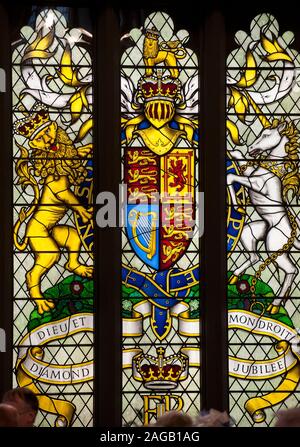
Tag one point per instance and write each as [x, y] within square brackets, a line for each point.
[59, 165]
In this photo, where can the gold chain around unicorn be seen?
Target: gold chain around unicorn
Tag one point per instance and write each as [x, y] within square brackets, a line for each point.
[279, 170]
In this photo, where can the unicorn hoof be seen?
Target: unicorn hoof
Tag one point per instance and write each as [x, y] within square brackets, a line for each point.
[272, 309]
[233, 279]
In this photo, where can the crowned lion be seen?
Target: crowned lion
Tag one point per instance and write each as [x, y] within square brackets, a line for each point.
[59, 165]
[155, 53]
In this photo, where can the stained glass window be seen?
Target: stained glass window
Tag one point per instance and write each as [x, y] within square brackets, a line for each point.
[53, 253]
[160, 241]
[262, 222]
[53, 209]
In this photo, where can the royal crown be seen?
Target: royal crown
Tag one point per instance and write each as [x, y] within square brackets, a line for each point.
[158, 87]
[161, 372]
[152, 33]
[33, 123]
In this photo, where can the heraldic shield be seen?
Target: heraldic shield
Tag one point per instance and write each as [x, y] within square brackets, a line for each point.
[160, 204]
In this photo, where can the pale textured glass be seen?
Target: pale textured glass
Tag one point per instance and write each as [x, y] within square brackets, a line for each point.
[263, 291]
[51, 71]
[141, 334]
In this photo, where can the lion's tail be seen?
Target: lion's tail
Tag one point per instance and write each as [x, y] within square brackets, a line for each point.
[180, 53]
[23, 215]
[173, 47]
[25, 179]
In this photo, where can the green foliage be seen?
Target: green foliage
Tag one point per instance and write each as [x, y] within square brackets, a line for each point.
[132, 297]
[194, 309]
[68, 301]
[194, 291]
[264, 296]
[130, 292]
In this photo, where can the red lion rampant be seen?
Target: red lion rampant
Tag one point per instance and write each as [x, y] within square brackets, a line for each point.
[177, 171]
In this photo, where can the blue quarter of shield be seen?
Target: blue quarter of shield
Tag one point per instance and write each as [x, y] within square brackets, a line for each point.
[142, 224]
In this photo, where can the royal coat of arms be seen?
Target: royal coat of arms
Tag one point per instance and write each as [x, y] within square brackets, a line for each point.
[160, 273]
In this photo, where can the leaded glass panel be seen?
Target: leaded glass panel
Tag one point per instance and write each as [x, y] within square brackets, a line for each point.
[263, 187]
[160, 244]
[53, 216]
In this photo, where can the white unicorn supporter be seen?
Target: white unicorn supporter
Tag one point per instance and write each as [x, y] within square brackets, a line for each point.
[269, 183]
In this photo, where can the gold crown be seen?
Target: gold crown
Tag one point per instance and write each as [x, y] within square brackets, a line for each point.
[33, 123]
[152, 33]
[161, 372]
[152, 87]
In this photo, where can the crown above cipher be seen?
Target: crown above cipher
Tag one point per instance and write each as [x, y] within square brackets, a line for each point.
[161, 372]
